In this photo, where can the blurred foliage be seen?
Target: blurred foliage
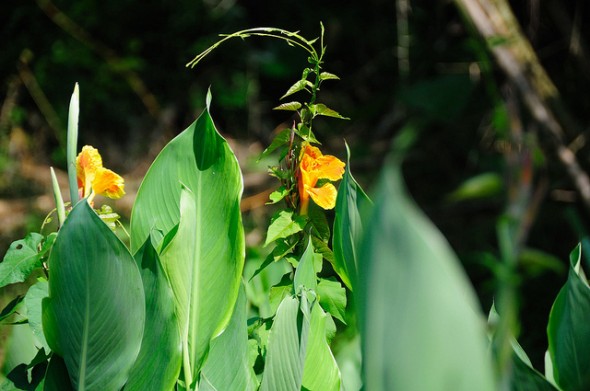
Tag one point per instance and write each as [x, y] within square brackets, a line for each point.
[447, 87]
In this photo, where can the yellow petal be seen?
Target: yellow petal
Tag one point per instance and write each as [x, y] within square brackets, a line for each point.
[330, 167]
[324, 196]
[108, 183]
[87, 163]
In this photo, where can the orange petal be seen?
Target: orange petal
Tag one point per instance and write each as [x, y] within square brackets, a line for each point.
[330, 167]
[87, 162]
[324, 196]
[108, 183]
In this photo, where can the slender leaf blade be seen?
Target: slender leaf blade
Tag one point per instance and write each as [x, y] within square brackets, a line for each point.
[158, 363]
[348, 226]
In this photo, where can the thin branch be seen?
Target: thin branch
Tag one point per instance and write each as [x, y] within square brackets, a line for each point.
[497, 24]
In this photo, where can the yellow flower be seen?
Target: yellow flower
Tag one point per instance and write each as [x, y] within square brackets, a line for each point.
[313, 166]
[94, 179]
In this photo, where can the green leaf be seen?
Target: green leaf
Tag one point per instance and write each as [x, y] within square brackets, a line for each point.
[202, 271]
[158, 364]
[320, 371]
[306, 134]
[278, 195]
[227, 366]
[285, 356]
[280, 139]
[33, 303]
[197, 176]
[57, 377]
[23, 256]
[348, 226]
[289, 106]
[322, 109]
[298, 86]
[11, 308]
[95, 313]
[568, 332]
[484, 185]
[328, 76]
[278, 292]
[332, 298]
[305, 274]
[283, 225]
[523, 376]
[420, 322]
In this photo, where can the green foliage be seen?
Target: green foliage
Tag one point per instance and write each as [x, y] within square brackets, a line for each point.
[568, 331]
[416, 303]
[93, 279]
[23, 257]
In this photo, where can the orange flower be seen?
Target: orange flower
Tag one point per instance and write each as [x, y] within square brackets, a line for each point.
[313, 166]
[94, 179]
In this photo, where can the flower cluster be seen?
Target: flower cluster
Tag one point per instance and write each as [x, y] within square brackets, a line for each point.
[94, 179]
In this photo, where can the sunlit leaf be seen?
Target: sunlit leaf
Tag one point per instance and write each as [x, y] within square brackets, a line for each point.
[24, 256]
[332, 298]
[227, 366]
[305, 274]
[328, 76]
[280, 139]
[196, 176]
[298, 86]
[322, 109]
[348, 226]
[283, 225]
[33, 300]
[278, 195]
[289, 106]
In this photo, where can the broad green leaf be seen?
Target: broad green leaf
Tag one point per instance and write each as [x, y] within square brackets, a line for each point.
[280, 139]
[421, 325]
[196, 175]
[305, 274]
[568, 332]
[285, 357]
[94, 315]
[158, 364]
[227, 366]
[348, 226]
[289, 106]
[27, 376]
[283, 225]
[33, 301]
[322, 109]
[332, 298]
[22, 257]
[202, 271]
[298, 86]
[320, 371]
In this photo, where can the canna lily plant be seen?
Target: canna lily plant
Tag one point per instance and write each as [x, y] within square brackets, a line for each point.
[175, 308]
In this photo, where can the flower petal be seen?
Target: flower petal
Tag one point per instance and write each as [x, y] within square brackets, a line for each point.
[330, 167]
[325, 196]
[87, 162]
[108, 183]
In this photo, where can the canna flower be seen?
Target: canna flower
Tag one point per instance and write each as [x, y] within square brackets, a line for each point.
[313, 166]
[94, 179]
